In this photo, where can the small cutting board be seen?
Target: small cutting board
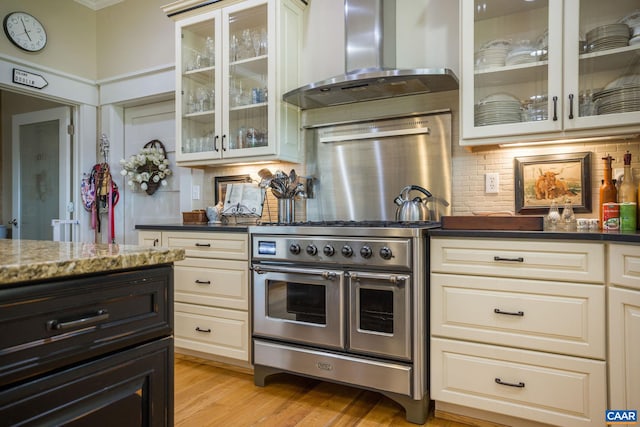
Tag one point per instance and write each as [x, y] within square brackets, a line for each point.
[521, 223]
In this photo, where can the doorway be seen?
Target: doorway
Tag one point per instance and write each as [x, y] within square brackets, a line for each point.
[41, 172]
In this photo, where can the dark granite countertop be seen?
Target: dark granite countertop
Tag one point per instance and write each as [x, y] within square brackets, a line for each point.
[604, 236]
[213, 228]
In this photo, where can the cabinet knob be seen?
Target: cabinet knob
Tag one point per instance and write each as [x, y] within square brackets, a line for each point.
[223, 138]
[215, 143]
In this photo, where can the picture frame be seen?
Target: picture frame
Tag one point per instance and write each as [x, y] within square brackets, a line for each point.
[541, 179]
[220, 185]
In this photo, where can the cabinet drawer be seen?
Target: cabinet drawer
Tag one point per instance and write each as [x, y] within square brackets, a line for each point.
[624, 265]
[209, 245]
[212, 330]
[50, 325]
[557, 317]
[553, 389]
[213, 282]
[552, 260]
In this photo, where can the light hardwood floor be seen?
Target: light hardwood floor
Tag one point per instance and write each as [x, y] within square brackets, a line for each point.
[210, 394]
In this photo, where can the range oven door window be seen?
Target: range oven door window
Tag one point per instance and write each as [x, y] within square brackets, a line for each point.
[380, 318]
[299, 305]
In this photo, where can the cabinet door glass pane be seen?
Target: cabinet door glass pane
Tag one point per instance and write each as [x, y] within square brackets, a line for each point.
[248, 53]
[198, 83]
[511, 70]
[609, 57]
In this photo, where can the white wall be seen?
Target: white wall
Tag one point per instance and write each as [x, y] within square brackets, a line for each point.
[71, 36]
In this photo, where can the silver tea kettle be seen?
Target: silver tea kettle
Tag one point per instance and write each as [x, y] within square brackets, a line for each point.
[412, 210]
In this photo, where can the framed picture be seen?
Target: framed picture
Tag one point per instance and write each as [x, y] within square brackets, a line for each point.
[220, 183]
[541, 179]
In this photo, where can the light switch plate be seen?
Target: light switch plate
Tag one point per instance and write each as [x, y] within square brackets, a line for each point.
[195, 192]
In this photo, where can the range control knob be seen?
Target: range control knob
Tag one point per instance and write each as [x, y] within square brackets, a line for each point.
[328, 250]
[366, 252]
[385, 253]
[346, 251]
[312, 250]
[294, 248]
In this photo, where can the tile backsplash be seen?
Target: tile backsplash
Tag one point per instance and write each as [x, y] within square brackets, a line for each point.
[469, 171]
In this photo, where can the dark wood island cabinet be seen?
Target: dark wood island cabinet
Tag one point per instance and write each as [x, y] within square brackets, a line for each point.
[94, 348]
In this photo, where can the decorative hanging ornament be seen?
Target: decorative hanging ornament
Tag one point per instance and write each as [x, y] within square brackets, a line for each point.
[148, 169]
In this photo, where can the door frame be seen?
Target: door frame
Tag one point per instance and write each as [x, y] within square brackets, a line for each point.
[93, 102]
[76, 92]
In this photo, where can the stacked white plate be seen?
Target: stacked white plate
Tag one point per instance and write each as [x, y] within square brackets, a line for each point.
[492, 54]
[633, 21]
[496, 109]
[620, 96]
[522, 52]
[606, 37]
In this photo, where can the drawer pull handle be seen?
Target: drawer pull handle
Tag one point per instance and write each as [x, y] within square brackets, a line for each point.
[203, 330]
[499, 258]
[518, 385]
[203, 282]
[55, 325]
[203, 245]
[508, 313]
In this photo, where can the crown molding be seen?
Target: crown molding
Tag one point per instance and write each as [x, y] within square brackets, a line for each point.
[98, 4]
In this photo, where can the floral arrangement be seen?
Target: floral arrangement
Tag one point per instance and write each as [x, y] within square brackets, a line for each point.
[147, 169]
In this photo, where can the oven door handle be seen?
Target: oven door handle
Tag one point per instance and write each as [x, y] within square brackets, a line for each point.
[325, 274]
[395, 279]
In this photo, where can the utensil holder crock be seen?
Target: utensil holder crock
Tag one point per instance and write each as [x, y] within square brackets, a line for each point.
[286, 211]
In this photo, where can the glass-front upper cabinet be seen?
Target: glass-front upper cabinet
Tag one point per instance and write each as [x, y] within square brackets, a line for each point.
[198, 101]
[248, 76]
[541, 69]
[231, 79]
[602, 66]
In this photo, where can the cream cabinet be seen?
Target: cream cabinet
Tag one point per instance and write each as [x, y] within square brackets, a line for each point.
[624, 326]
[211, 293]
[548, 70]
[518, 328]
[234, 60]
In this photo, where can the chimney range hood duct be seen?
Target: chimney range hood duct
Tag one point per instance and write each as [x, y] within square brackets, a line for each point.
[370, 63]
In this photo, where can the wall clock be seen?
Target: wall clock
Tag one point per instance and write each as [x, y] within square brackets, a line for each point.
[25, 31]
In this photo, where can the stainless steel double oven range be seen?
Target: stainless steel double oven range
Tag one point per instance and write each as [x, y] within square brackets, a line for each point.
[344, 302]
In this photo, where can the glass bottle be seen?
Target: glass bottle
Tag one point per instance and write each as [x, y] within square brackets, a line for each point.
[627, 191]
[553, 217]
[608, 191]
[627, 197]
[568, 218]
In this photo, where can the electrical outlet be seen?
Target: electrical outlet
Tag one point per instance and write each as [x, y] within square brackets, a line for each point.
[491, 182]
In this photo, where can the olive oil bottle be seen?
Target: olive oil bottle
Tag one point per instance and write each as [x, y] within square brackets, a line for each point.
[628, 197]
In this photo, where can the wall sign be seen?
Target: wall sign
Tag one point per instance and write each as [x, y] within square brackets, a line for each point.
[29, 79]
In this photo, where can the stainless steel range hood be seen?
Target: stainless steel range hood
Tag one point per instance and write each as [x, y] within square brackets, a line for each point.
[370, 59]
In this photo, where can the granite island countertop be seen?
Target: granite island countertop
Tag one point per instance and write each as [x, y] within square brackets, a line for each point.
[36, 260]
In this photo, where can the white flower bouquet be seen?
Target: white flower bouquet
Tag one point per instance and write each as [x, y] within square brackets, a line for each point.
[148, 169]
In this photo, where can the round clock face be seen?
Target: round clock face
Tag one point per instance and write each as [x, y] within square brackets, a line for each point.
[25, 31]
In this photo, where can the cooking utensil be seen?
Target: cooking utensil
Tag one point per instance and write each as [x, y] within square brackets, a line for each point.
[412, 209]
